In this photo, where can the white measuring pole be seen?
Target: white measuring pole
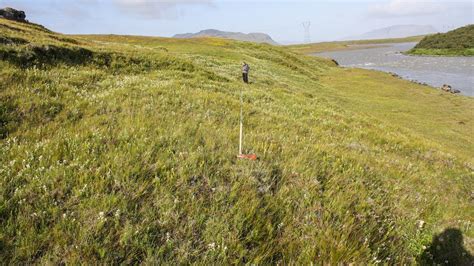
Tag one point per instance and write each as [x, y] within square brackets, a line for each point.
[241, 121]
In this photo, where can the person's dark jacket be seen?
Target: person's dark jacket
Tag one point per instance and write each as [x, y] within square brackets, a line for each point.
[245, 68]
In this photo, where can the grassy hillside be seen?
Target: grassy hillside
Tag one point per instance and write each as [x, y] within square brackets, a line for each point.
[456, 42]
[121, 149]
[312, 48]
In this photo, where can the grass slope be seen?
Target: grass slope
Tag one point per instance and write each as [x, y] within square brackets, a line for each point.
[458, 42]
[348, 45]
[121, 149]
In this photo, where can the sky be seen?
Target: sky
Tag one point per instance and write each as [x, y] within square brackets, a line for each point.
[281, 19]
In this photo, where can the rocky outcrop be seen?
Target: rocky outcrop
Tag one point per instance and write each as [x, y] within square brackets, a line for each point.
[448, 88]
[13, 14]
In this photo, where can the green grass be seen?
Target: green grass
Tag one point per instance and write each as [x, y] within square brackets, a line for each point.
[348, 45]
[442, 52]
[122, 149]
[458, 42]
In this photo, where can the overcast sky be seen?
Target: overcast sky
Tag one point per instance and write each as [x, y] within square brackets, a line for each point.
[330, 20]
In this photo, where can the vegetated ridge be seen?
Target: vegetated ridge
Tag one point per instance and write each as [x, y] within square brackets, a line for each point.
[456, 42]
[311, 48]
[121, 149]
[250, 37]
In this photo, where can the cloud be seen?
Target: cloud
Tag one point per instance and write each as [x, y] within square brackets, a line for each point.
[66, 8]
[158, 9]
[147, 9]
[401, 8]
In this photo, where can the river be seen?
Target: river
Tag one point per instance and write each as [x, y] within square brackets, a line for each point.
[435, 71]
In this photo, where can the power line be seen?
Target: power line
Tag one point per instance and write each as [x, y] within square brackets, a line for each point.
[307, 33]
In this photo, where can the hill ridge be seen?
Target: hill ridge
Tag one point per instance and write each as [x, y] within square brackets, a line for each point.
[251, 37]
[396, 31]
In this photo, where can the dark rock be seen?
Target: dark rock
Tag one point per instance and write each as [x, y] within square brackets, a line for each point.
[13, 14]
[448, 88]
[335, 62]
[395, 75]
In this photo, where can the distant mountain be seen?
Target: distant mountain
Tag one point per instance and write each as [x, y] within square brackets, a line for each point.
[399, 31]
[251, 37]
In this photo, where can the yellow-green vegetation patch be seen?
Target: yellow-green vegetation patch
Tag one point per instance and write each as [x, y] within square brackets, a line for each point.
[129, 156]
[442, 52]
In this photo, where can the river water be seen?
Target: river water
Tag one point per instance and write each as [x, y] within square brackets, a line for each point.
[435, 71]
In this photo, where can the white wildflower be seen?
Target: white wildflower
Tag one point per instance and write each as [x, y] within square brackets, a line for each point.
[212, 246]
[421, 224]
[102, 217]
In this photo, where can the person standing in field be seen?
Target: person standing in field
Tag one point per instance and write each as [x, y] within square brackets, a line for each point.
[245, 72]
